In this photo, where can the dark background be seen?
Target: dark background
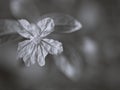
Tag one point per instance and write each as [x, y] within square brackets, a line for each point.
[92, 53]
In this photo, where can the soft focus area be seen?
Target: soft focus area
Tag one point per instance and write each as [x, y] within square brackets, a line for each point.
[91, 57]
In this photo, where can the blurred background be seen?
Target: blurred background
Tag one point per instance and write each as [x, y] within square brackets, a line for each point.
[91, 57]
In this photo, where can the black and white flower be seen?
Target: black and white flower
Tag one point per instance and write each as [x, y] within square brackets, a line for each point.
[37, 47]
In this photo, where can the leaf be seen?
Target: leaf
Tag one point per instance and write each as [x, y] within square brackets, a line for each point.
[69, 63]
[64, 23]
[8, 32]
[8, 27]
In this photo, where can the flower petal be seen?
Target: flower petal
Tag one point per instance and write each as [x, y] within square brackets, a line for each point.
[24, 34]
[34, 30]
[26, 50]
[42, 53]
[46, 25]
[27, 57]
[52, 46]
[24, 23]
[22, 48]
[33, 57]
[25, 30]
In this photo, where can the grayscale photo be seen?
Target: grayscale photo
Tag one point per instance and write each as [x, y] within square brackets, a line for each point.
[59, 44]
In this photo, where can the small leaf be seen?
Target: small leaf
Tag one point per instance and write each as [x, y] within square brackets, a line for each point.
[64, 23]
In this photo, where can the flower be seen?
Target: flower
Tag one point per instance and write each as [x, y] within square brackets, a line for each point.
[37, 47]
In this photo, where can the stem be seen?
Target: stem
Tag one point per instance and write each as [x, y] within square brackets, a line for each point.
[6, 33]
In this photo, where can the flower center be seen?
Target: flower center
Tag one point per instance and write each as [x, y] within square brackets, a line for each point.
[36, 40]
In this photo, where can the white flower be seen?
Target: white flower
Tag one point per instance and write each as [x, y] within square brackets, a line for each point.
[36, 48]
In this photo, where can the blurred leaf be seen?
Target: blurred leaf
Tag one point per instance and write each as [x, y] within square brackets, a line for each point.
[8, 33]
[64, 23]
[24, 9]
[69, 63]
[7, 40]
[8, 27]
